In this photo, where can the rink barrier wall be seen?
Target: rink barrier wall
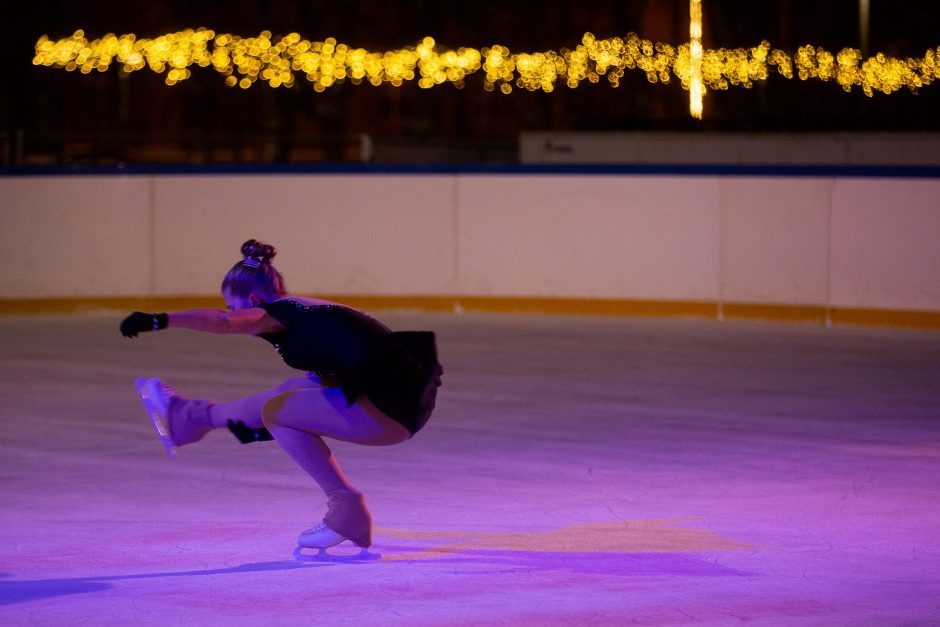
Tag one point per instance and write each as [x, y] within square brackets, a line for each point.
[830, 245]
[549, 306]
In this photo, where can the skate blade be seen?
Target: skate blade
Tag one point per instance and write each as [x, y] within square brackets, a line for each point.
[159, 426]
[321, 555]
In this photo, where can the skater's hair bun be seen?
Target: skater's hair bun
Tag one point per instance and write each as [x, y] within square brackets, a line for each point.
[255, 274]
[253, 250]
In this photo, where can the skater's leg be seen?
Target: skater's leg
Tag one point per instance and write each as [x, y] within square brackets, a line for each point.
[181, 420]
[248, 409]
[325, 411]
[297, 420]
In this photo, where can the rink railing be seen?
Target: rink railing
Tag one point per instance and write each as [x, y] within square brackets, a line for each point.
[830, 244]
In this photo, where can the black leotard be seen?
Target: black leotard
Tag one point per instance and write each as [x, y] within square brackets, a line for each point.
[397, 371]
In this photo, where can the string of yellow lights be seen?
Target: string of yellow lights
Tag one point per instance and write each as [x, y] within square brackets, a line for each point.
[696, 91]
[278, 61]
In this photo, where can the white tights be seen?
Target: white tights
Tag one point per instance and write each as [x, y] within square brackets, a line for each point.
[300, 412]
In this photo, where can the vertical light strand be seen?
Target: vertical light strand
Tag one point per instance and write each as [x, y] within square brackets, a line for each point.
[863, 21]
[696, 90]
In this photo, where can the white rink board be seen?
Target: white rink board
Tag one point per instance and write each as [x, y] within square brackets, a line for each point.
[787, 240]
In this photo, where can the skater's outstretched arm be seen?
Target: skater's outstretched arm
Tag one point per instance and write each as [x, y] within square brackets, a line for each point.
[250, 321]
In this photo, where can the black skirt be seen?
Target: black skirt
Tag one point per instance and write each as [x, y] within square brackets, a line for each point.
[400, 376]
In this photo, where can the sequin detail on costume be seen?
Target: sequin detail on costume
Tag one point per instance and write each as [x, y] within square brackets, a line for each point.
[307, 308]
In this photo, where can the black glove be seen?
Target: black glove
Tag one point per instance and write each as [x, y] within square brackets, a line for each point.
[247, 435]
[138, 322]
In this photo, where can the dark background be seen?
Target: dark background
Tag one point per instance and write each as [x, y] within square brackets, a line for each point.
[50, 115]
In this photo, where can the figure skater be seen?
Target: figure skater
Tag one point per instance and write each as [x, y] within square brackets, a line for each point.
[363, 383]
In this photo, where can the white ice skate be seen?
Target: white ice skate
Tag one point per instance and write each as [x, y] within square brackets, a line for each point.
[156, 402]
[321, 537]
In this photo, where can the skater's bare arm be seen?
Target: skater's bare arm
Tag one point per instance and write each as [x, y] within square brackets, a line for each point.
[251, 321]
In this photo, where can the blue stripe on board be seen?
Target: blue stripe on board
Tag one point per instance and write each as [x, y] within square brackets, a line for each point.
[868, 171]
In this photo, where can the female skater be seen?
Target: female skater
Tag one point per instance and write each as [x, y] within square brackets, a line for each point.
[363, 383]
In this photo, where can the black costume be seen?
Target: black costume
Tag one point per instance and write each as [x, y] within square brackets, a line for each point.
[397, 371]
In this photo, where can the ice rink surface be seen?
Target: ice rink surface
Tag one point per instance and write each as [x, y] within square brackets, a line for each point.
[578, 471]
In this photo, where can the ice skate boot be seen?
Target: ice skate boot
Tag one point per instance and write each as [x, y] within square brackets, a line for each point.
[319, 537]
[347, 519]
[176, 419]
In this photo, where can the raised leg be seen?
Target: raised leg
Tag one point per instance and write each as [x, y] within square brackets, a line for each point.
[249, 409]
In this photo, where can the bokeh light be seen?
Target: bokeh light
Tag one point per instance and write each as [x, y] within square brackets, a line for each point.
[281, 61]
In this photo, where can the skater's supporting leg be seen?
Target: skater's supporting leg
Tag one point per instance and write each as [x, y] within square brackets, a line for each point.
[297, 419]
[313, 455]
[348, 516]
